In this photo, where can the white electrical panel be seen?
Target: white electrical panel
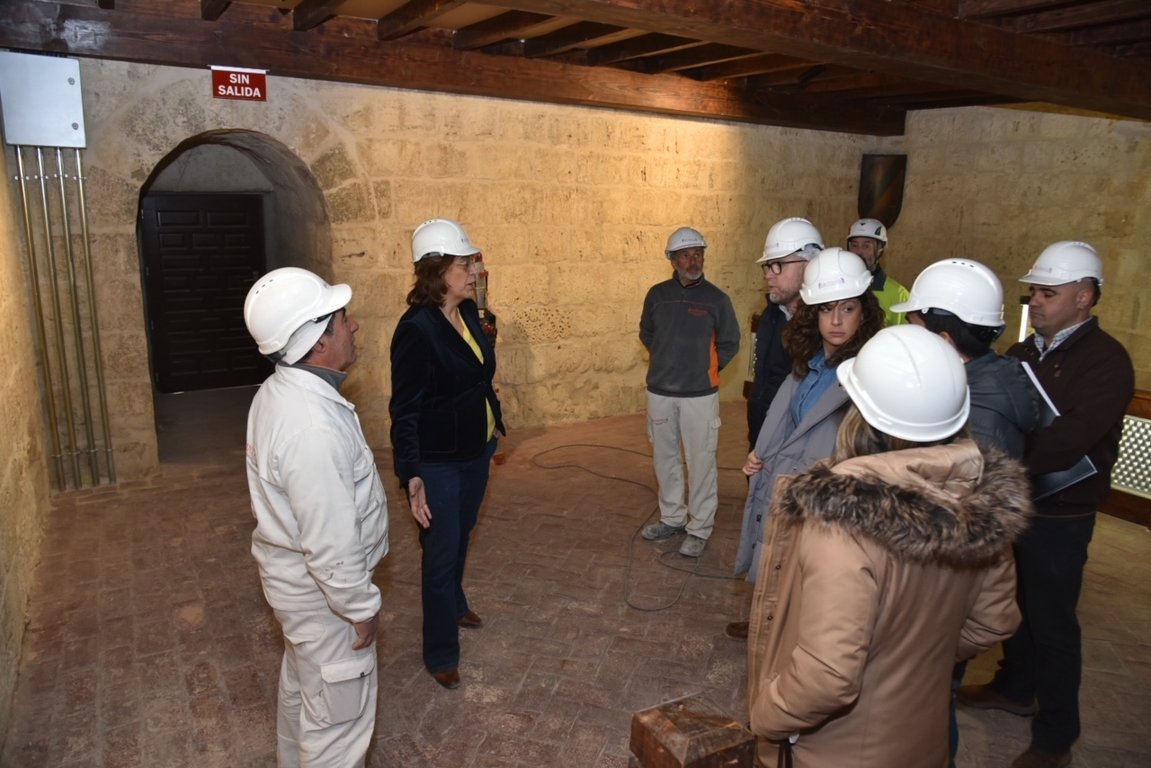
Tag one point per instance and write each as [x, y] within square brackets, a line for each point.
[41, 100]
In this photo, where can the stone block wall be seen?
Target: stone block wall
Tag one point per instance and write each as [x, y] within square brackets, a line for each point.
[571, 206]
[24, 462]
[1000, 184]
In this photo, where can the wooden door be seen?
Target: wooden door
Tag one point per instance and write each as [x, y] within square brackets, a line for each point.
[201, 254]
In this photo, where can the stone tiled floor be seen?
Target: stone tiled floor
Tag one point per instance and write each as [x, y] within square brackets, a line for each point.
[150, 644]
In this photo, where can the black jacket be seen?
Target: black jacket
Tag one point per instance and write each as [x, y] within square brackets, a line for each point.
[439, 389]
[1090, 379]
[772, 365]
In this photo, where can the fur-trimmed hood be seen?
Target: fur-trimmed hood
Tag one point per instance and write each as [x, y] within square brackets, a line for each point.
[948, 504]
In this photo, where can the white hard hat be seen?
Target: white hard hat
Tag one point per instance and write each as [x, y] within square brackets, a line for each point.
[833, 275]
[966, 289]
[684, 237]
[441, 237]
[872, 228]
[788, 236]
[1066, 261]
[909, 383]
[287, 310]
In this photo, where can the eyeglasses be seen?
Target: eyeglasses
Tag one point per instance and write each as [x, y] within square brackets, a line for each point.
[776, 267]
[465, 261]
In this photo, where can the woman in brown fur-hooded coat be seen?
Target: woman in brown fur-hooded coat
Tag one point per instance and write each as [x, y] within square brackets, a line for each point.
[879, 572]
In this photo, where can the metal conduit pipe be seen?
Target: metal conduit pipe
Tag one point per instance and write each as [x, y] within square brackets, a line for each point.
[77, 325]
[41, 334]
[97, 355]
[61, 352]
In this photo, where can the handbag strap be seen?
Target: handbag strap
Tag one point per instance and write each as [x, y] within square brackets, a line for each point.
[786, 759]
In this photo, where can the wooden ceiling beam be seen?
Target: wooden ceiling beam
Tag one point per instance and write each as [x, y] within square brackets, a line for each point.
[901, 39]
[350, 52]
[697, 56]
[832, 78]
[413, 16]
[636, 47]
[759, 64]
[941, 100]
[791, 79]
[852, 84]
[1134, 49]
[567, 38]
[497, 29]
[1093, 14]
[210, 10]
[975, 9]
[309, 14]
[1117, 35]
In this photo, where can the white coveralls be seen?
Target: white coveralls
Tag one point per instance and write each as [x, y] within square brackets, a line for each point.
[321, 528]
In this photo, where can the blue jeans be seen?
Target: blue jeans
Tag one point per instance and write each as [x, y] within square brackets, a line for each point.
[1043, 662]
[455, 491]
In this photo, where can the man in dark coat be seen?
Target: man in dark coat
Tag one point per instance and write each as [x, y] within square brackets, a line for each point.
[789, 245]
[1090, 381]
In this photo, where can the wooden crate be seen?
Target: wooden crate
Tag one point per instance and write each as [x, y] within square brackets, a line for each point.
[689, 733]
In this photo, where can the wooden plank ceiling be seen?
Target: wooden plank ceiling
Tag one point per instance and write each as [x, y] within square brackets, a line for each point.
[842, 65]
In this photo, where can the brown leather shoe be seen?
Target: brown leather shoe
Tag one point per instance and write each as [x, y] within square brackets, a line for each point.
[737, 630]
[449, 678]
[986, 697]
[471, 620]
[1037, 758]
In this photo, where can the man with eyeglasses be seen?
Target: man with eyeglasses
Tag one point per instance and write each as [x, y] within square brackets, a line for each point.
[789, 245]
[691, 332]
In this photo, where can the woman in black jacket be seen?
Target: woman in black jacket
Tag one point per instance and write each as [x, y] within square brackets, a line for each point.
[445, 415]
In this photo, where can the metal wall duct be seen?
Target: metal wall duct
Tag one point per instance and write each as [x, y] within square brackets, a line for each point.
[57, 244]
[43, 116]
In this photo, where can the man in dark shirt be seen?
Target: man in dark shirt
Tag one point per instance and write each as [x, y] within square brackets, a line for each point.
[1089, 378]
[690, 331]
[789, 245]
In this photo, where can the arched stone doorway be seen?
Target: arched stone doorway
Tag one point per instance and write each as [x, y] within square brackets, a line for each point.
[217, 211]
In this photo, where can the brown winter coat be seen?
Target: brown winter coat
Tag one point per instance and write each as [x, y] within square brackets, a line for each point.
[879, 573]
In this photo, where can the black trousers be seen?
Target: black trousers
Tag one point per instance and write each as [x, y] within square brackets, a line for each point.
[1044, 660]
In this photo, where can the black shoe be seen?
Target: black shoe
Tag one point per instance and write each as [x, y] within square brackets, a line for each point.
[736, 630]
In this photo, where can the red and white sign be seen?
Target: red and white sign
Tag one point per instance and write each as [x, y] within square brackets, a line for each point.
[242, 84]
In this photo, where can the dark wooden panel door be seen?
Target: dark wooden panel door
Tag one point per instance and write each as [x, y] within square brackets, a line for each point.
[201, 254]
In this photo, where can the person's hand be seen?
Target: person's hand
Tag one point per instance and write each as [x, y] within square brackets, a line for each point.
[418, 501]
[752, 465]
[366, 632]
